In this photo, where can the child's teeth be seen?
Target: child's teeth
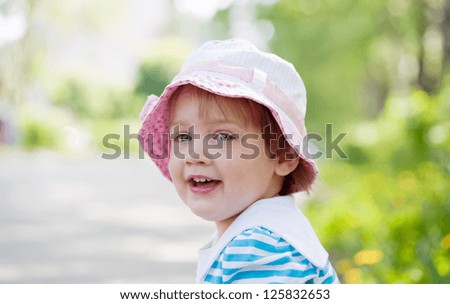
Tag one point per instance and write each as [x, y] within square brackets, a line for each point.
[201, 180]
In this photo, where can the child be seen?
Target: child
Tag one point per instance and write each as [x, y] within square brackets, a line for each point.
[228, 132]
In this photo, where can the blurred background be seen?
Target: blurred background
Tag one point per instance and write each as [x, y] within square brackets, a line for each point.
[73, 71]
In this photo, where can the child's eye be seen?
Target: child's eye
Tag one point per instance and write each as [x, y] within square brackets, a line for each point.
[224, 137]
[183, 137]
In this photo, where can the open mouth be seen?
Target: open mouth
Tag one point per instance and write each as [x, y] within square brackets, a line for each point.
[203, 182]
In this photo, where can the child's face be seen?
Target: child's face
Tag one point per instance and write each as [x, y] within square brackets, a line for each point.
[236, 183]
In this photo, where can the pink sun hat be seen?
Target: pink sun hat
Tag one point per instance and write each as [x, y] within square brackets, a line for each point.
[236, 68]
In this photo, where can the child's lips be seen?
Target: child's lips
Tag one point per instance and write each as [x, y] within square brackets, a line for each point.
[201, 184]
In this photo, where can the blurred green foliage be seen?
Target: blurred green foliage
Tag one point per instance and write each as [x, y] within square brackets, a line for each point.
[73, 95]
[386, 217]
[163, 63]
[93, 101]
[153, 77]
[39, 134]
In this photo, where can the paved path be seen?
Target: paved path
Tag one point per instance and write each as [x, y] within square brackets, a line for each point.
[90, 220]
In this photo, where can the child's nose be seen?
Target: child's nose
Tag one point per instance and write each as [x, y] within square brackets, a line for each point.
[198, 153]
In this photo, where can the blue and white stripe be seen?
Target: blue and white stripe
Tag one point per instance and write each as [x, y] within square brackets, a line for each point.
[258, 255]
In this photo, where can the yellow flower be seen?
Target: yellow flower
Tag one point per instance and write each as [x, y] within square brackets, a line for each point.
[445, 243]
[368, 257]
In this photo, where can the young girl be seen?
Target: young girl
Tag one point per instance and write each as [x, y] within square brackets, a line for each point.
[228, 132]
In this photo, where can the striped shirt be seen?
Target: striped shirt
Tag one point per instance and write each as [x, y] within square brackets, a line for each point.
[257, 255]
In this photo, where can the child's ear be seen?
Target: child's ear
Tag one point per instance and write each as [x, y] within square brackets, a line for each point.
[287, 162]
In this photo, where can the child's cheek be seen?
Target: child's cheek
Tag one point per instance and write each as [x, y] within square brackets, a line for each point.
[171, 166]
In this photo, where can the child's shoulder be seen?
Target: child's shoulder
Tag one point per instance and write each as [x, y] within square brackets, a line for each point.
[258, 254]
[260, 239]
[257, 235]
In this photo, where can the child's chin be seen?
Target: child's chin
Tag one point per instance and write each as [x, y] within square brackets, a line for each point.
[208, 216]
[203, 214]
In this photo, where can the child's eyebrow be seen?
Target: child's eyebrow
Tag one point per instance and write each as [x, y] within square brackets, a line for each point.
[178, 122]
